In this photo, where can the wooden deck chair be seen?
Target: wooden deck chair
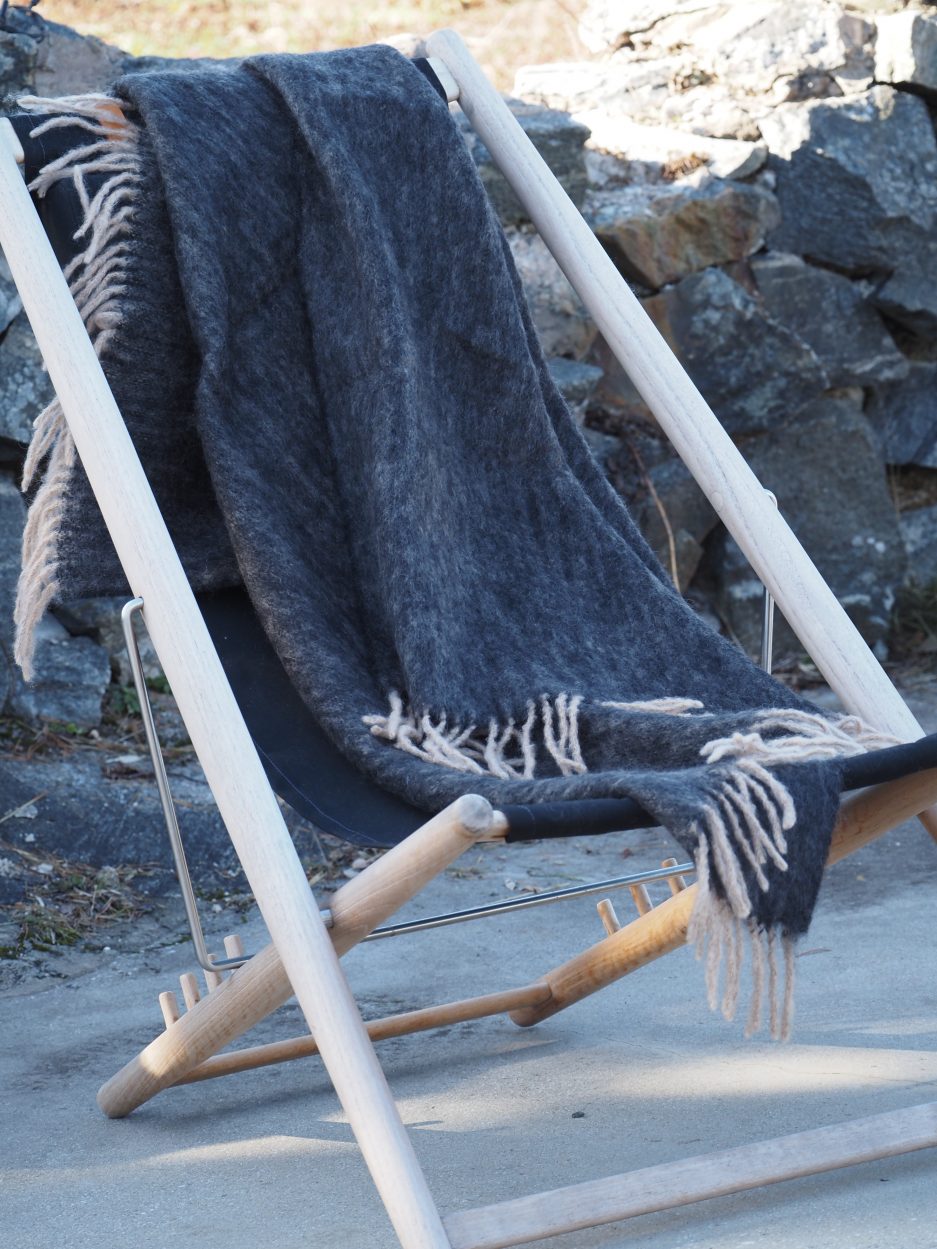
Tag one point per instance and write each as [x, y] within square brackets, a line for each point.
[303, 959]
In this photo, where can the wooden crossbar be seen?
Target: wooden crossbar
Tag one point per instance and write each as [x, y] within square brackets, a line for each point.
[694, 1179]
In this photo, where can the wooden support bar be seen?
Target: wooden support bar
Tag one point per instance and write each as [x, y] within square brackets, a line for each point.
[863, 817]
[610, 921]
[642, 899]
[694, 1179]
[169, 1006]
[378, 1030]
[769, 544]
[234, 946]
[251, 992]
[677, 883]
[190, 991]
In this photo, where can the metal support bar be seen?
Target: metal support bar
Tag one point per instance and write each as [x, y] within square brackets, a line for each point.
[767, 624]
[534, 899]
[206, 960]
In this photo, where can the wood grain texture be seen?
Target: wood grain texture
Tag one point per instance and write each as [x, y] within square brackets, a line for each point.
[404, 1024]
[695, 1179]
[769, 544]
[251, 992]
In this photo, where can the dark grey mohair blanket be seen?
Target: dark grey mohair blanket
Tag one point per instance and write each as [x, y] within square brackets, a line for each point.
[311, 321]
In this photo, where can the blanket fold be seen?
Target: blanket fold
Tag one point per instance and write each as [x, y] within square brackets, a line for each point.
[311, 322]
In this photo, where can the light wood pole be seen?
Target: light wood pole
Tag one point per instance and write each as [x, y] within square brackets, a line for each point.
[808, 603]
[210, 711]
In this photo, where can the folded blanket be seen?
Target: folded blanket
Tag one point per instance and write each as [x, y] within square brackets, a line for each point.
[311, 322]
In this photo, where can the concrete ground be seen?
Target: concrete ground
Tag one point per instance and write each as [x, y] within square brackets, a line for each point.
[639, 1074]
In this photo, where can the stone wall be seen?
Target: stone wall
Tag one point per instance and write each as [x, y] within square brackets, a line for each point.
[765, 177]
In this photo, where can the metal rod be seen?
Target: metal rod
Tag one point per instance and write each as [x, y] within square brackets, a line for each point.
[534, 899]
[767, 623]
[204, 958]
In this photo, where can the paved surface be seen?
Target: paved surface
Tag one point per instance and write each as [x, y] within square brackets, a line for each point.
[637, 1075]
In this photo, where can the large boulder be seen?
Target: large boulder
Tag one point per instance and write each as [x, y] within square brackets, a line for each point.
[72, 673]
[557, 137]
[903, 417]
[659, 234]
[827, 474]
[562, 322]
[68, 63]
[25, 388]
[857, 185]
[918, 529]
[832, 315]
[906, 50]
[754, 371]
[758, 47]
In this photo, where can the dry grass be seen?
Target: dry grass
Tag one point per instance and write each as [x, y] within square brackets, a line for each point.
[503, 34]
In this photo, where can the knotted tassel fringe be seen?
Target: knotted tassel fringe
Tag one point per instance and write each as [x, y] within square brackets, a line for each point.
[96, 280]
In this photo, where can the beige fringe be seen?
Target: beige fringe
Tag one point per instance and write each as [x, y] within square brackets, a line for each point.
[744, 822]
[96, 281]
[664, 706]
[749, 815]
[506, 751]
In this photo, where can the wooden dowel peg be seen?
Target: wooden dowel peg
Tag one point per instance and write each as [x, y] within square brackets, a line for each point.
[234, 946]
[189, 989]
[677, 883]
[169, 1005]
[642, 899]
[610, 921]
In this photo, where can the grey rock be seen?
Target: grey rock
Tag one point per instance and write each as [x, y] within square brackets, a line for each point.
[17, 64]
[833, 316]
[12, 519]
[906, 50]
[608, 96]
[99, 619]
[753, 371]
[909, 296]
[71, 673]
[672, 493]
[98, 811]
[919, 530]
[68, 63]
[659, 234]
[71, 677]
[828, 476]
[606, 25]
[770, 50]
[24, 385]
[10, 303]
[903, 417]
[759, 49]
[661, 153]
[558, 139]
[563, 325]
[575, 381]
[856, 180]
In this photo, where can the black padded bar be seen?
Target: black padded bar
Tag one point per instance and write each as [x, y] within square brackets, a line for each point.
[593, 816]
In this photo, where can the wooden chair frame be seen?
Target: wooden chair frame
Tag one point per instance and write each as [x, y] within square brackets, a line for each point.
[303, 958]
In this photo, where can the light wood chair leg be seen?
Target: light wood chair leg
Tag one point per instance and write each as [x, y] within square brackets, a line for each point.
[250, 993]
[863, 817]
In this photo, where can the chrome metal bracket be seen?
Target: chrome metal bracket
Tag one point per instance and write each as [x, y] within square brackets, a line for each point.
[205, 958]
